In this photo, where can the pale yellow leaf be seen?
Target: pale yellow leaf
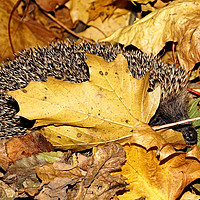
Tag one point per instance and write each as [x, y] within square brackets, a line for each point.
[78, 10]
[189, 196]
[178, 22]
[100, 29]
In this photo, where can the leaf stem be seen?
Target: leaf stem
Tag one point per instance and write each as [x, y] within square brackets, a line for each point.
[175, 123]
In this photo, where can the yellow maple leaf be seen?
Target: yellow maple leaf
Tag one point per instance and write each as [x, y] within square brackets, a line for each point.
[103, 109]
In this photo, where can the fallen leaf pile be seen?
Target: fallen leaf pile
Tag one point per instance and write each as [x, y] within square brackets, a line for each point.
[91, 140]
[44, 21]
[99, 111]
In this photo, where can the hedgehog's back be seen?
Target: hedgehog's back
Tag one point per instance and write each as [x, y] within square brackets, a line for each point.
[66, 61]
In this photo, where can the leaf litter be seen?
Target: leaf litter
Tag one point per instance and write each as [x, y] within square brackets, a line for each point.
[162, 161]
[151, 159]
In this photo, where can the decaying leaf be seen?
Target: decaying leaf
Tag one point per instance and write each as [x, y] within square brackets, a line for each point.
[87, 180]
[5, 161]
[177, 22]
[22, 173]
[24, 146]
[103, 109]
[148, 177]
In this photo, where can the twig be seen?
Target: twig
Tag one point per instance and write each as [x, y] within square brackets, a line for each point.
[175, 123]
[65, 27]
[9, 23]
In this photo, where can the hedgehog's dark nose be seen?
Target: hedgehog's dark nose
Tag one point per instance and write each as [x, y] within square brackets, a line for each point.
[189, 133]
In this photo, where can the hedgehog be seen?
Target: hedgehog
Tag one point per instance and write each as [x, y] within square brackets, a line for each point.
[66, 61]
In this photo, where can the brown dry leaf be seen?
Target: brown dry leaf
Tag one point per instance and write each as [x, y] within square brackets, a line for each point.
[102, 9]
[22, 173]
[152, 179]
[4, 160]
[22, 32]
[107, 158]
[177, 22]
[160, 3]
[103, 109]
[47, 173]
[50, 5]
[99, 29]
[63, 15]
[98, 183]
[145, 136]
[56, 189]
[175, 138]
[27, 145]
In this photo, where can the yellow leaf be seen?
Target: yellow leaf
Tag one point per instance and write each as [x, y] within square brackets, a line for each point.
[102, 9]
[78, 10]
[177, 22]
[189, 196]
[105, 108]
[152, 179]
[99, 29]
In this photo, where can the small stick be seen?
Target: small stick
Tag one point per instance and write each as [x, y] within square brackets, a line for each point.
[65, 27]
[9, 24]
[175, 123]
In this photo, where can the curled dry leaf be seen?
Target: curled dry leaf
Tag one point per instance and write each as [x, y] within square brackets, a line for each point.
[177, 22]
[145, 136]
[103, 109]
[194, 152]
[172, 137]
